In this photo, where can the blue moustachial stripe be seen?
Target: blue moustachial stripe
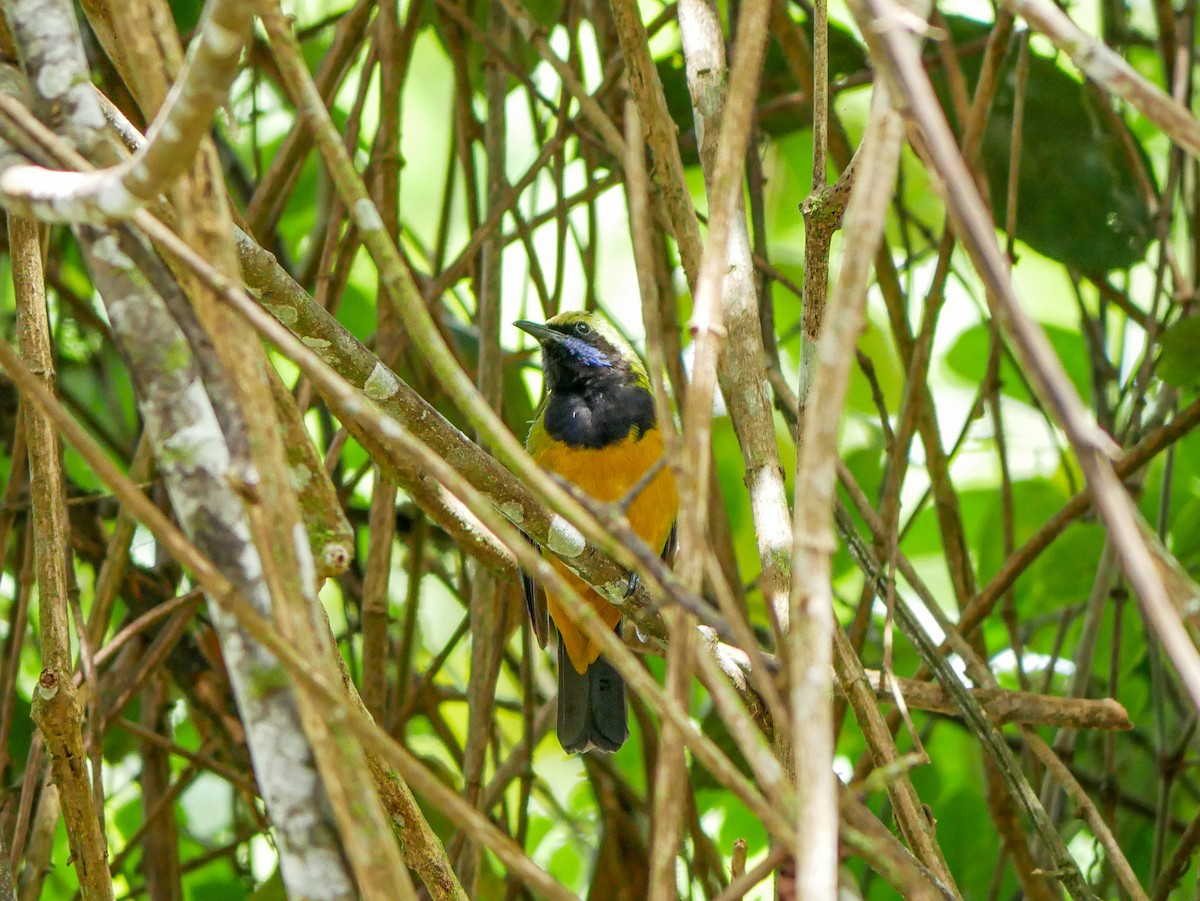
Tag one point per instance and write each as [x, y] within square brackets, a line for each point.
[585, 353]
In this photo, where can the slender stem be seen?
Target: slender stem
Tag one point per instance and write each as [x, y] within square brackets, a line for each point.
[56, 706]
[811, 637]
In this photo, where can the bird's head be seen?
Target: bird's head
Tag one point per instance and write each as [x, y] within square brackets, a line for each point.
[582, 347]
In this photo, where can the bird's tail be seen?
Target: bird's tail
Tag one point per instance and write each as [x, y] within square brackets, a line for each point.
[591, 706]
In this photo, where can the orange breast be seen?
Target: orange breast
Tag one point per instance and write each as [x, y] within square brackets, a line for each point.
[607, 474]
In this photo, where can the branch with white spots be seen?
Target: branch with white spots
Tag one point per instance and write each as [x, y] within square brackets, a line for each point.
[725, 314]
[48, 33]
[193, 458]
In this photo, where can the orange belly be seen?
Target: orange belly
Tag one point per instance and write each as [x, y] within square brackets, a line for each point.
[607, 474]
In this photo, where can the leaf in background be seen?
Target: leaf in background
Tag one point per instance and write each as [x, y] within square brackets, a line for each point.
[186, 14]
[1062, 574]
[954, 789]
[876, 344]
[1179, 364]
[969, 355]
[1077, 199]
[713, 726]
[518, 406]
[736, 822]
[781, 107]
[21, 735]
[450, 34]
[1185, 532]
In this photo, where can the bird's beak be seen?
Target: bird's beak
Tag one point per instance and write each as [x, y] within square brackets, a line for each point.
[538, 331]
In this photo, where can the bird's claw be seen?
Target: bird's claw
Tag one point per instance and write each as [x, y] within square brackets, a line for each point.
[631, 586]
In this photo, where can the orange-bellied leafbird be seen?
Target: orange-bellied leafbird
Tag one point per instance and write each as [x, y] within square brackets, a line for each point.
[596, 428]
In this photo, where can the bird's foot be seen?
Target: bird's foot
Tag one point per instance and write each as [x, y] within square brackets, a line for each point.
[631, 586]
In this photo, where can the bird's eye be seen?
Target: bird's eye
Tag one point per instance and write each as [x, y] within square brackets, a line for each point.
[582, 328]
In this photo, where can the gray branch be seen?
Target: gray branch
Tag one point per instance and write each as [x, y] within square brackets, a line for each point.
[51, 46]
[194, 459]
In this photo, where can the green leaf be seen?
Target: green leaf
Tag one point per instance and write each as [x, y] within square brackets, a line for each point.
[186, 14]
[968, 358]
[1078, 200]
[1179, 364]
[782, 110]
[876, 345]
[714, 727]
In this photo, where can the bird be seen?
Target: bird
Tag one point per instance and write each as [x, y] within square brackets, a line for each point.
[597, 429]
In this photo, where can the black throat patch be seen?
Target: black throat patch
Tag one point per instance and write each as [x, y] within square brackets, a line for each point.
[599, 411]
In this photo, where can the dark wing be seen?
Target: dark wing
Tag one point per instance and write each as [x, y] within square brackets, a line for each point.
[535, 603]
[668, 551]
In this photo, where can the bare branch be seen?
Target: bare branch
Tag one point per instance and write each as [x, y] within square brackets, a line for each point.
[172, 141]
